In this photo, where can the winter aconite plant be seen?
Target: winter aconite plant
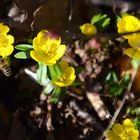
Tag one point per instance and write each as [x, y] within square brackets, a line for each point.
[53, 74]
[129, 27]
[98, 22]
[6, 49]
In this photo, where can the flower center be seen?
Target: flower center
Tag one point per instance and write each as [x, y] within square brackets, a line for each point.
[3, 41]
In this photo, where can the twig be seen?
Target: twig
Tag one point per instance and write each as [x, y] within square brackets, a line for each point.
[49, 118]
[98, 105]
[109, 35]
[86, 116]
[120, 106]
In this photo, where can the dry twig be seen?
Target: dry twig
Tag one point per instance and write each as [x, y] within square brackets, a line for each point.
[120, 106]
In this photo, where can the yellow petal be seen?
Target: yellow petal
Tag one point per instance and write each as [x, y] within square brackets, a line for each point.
[63, 65]
[112, 136]
[130, 52]
[6, 40]
[10, 39]
[48, 61]
[36, 56]
[45, 39]
[137, 54]
[128, 23]
[68, 75]
[134, 134]
[70, 72]
[53, 38]
[61, 50]
[65, 82]
[3, 29]
[117, 128]
[6, 51]
[39, 57]
[134, 40]
[36, 43]
[41, 33]
[59, 83]
[88, 29]
[128, 122]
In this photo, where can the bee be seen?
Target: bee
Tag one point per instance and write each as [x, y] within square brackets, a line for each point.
[4, 67]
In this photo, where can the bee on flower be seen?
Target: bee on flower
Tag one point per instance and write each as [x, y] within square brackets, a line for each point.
[6, 48]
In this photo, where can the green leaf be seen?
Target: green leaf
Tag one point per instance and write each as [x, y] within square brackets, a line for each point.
[55, 72]
[23, 47]
[118, 18]
[77, 83]
[42, 74]
[136, 122]
[137, 110]
[30, 41]
[97, 18]
[105, 44]
[22, 55]
[116, 90]
[78, 70]
[106, 23]
[135, 63]
[124, 14]
[111, 77]
[133, 111]
[101, 21]
[58, 94]
[128, 111]
[102, 24]
[49, 88]
[125, 79]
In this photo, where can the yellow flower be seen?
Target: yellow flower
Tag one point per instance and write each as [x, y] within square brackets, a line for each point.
[128, 24]
[125, 131]
[47, 48]
[68, 75]
[88, 29]
[6, 41]
[133, 53]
